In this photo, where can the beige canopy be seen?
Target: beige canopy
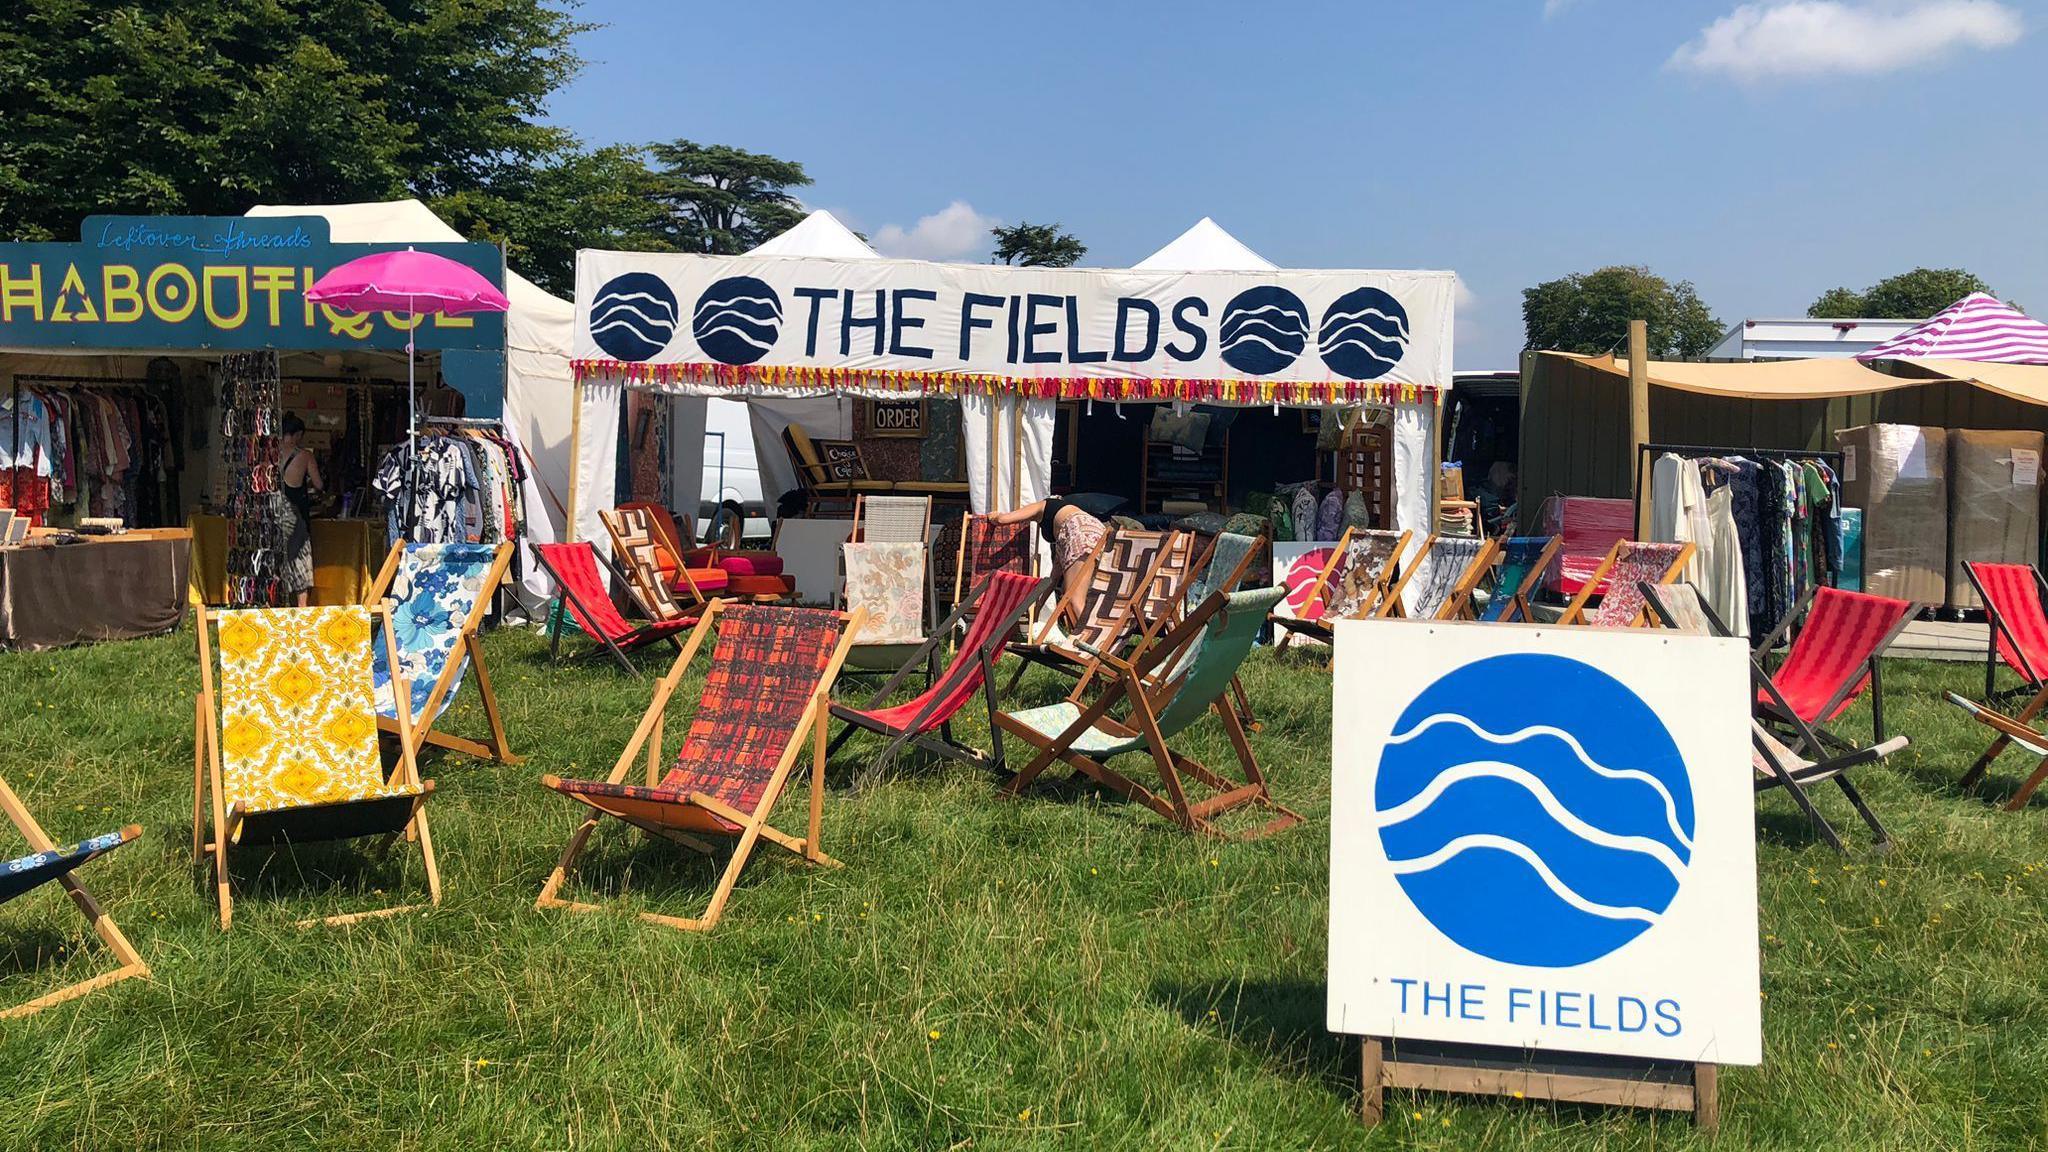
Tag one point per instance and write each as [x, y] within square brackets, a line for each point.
[1818, 379]
[2027, 383]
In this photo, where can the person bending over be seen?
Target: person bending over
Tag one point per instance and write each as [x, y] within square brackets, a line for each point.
[1075, 534]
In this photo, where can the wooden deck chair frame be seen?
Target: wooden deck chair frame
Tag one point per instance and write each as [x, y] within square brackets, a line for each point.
[1151, 630]
[103, 926]
[1519, 605]
[962, 580]
[1806, 739]
[943, 743]
[1457, 603]
[2035, 680]
[1067, 661]
[1132, 681]
[1575, 612]
[499, 748]
[206, 780]
[1321, 628]
[650, 599]
[605, 644]
[646, 744]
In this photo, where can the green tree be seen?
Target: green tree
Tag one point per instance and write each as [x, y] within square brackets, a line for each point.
[210, 106]
[723, 200]
[1589, 312]
[603, 198]
[1040, 245]
[1913, 295]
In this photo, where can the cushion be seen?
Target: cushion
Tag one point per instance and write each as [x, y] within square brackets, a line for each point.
[751, 564]
[706, 579]
[759, 585]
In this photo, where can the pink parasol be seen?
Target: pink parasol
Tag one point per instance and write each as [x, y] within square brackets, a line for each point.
[414, 282]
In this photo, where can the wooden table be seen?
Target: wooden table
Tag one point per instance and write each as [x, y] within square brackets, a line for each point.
[105, 588]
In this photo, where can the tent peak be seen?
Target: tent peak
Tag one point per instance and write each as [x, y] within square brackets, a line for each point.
[1205, 247]
[818, 234]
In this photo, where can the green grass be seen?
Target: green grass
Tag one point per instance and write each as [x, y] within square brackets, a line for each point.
[1059, 972]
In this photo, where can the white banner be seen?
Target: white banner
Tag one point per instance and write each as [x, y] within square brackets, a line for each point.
[1544, 838]
[1358, 333]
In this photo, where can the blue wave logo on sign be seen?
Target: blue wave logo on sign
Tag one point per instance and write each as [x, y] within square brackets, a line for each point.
[1263, 330]
[1364, 334]
[1535, 810]
[737, 320]
[634, 316]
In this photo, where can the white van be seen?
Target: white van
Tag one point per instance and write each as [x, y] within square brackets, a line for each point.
[730, 472]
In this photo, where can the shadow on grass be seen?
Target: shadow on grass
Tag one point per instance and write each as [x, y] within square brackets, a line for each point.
[291, 877]
[1280, 1021]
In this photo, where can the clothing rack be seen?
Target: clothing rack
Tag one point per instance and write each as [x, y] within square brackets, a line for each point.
[1645, 453]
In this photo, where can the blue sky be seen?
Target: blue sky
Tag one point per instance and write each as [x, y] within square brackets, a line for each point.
[1765, 151]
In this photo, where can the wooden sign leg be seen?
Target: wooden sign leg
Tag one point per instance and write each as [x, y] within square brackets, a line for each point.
[1706, 1097]
[1372, 1099]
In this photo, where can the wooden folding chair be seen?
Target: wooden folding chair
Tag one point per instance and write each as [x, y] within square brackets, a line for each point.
[749, 575]
[574, 569]
[1173, 684]
[768, 688]
[1221, 568]
[288, 750]
[1440, 583]
[1628, 565]
[1522, 562]
[1356, 581]
[2016, 603]
[640, 556]
[990, 614]
[1773, 762]
[840, 480]
[1833, 657]
[1137, 575]
[440, 594]
[891, 582]
[986, 546]
[46, 862]
[879, 519]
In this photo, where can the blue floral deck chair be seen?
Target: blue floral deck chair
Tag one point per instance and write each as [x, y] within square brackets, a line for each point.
[439, 595]
[47, 862]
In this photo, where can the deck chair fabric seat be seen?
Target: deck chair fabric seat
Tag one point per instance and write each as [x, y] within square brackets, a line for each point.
[1449, 568]
[1829, 664]
[434, 591]
[574, 568]
[889, 580]
[1138, 576]
[892, 520]
[1628, 565]
[1524, 561]
[2013, 597]
[1353, 583]
[25, 874]
[770, 673]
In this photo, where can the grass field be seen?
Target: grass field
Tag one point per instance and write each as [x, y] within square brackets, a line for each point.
[1061, 972]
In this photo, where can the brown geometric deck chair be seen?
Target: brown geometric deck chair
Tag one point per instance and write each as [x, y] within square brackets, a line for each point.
[574, 568]
[1440, 582]
[1174, 683]
[290, 755]
[46, 862]
[767, 689]
[1522, 563]
[440, 594]
[1353, 583]
[991, 614]
[1138, 576]
[1773, 762]
[641, 556]
[1626, 567]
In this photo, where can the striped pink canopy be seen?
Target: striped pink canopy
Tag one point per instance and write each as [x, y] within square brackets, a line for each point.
[1977, 327]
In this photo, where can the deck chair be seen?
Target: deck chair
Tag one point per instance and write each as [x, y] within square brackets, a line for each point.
[1126, 589]
[891, 519]
[46, 862]
[288, 749]
[748, 575]
[1523, 561]
[889, 581]
[1628, 565]
[574, 569]
[1773, 762]
[2014, 596]
[1832, 659]
[986, 546]
[1172, 685]
[1222, 568]
[439, 596]
[1440, 583]
[1354, 583]
[990, 614]
[641, 557]
[767, 689]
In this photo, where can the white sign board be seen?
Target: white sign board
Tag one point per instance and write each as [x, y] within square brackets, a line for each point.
[1295, 567]
[911, 317]
[1544, 838]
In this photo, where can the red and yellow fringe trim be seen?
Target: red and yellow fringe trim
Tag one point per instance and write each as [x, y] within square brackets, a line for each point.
[1221, 391]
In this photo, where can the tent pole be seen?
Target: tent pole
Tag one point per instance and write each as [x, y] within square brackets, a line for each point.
[995, 438]
[575, 458]
[1016, 452]
[1639, 416]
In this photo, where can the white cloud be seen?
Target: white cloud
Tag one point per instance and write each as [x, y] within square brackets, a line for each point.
[1553, 7]
[1791, 39]
[1462, 296]
[954, 232]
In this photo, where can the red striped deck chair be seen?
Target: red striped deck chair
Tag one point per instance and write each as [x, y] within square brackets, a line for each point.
[47, 862]
[991, 614]
[574, 569]
[1833, 658]
[2013, 596]
[1773, 762]
[1628, 565]
[767, 689]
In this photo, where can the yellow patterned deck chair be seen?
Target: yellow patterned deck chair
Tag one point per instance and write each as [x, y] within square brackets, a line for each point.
[288, 749]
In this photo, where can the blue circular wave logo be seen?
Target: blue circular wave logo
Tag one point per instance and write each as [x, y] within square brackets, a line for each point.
[1263, 330]
[1364, 334]
[634, 316]
[1534, 810]
[737, 320]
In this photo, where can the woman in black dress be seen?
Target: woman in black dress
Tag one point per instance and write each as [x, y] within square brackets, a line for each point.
[298, 479]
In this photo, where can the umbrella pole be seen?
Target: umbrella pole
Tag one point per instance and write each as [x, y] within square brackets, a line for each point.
[412, 433]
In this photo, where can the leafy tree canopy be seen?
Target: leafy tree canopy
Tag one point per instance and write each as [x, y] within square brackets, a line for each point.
[1913, 295]
[1041, 245]
[1589, 312]
[723, 200]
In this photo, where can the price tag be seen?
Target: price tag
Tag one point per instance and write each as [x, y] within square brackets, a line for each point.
[2026, 467]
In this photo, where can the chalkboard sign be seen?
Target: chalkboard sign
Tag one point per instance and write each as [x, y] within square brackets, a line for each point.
[896, 418]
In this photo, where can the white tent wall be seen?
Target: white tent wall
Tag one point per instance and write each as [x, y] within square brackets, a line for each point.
[1016, 431]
